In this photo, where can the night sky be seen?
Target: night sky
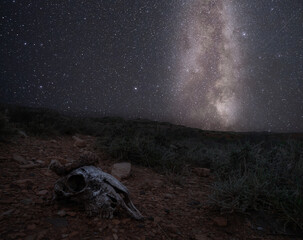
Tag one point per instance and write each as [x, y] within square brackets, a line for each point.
[213, 64]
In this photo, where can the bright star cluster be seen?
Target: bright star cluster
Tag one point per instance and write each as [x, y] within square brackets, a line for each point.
[212, 64]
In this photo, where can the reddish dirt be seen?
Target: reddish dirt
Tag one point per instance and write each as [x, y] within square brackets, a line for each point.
[174, 208]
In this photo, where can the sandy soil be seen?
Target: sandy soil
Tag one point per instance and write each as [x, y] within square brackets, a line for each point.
[174, 208]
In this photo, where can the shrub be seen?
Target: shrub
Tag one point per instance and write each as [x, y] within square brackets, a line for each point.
[254, 178]
[6, 128]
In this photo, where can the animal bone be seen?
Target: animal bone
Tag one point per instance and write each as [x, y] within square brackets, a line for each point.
[100, 192]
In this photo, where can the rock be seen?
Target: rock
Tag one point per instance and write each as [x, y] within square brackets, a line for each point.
[53, 141]
[41, 235]
[115, 236]
[174, 147]
[19, 159]
[26, 201]
[194, 203]
[168, 196]
[61, 213]
[220, 221]
[79, 142]
[141, 226]
[30, 237]
[73, 235]
[8, 212]
[201, 237]
[28, 166]
[202, 172]
[121, 170]
[172, 228]
[22, 134]
[157, 219]
[41, 163]
[31, 226]
[42, 192]
[72, 214]
[58, 222]
[116, 221]
[23, 181]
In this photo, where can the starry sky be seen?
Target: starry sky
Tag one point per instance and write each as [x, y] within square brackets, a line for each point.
[232, 65]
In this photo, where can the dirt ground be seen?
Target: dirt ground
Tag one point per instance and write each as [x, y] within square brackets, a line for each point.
[174, 208]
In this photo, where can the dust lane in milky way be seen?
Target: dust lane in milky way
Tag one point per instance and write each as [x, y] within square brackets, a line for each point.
[207, 82]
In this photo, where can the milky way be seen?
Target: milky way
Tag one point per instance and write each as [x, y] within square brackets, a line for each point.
[208, 78]
[212, 64]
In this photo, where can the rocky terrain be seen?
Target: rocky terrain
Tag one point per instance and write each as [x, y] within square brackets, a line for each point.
[174, 206]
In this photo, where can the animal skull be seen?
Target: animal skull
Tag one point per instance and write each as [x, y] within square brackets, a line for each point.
[100, 192]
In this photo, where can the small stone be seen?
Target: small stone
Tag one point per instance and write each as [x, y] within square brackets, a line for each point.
[61, 213]
[41, 235]
[172, 228]
[220, 221]
[42, 192]
[73, 234]
[116, 221]
[201, 237]
[72, 214]
[41, 163]
[30, 237]
[79, 142]
[194, 203]
[28, 166]
[141, 226]
[58, 222]
[260, 229]
[47, 173]
[26, 201]
[31, 226]
[115, 236]
[53, 141]
[121, 170]
[8, 212]
[22, 134]
[126, 220]
[168, 196]
[23, 181]
[19, 159]
[157, 219]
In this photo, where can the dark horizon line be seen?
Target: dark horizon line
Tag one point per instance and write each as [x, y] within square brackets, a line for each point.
[92, 114]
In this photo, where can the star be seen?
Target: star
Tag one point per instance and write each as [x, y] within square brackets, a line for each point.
[210, 64]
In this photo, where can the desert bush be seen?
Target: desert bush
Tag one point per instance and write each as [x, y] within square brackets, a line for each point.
[6, 128]
[252, 178]
[248, 177]
[143, 147]
[3, 121]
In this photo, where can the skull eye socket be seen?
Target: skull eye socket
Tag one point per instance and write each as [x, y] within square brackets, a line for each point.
[76, 183]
